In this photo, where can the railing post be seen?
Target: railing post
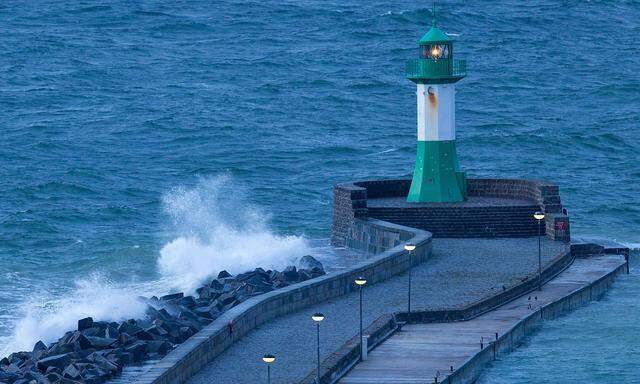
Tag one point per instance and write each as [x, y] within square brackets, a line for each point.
[365, 347]
[626, 260]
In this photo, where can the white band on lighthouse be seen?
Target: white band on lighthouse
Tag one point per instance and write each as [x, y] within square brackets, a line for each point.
[436, 112]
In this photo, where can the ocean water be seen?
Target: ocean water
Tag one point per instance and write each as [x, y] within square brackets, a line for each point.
[146, 145]
[595, 344]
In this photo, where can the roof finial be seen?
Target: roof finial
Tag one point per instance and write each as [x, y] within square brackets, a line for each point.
[433, 14]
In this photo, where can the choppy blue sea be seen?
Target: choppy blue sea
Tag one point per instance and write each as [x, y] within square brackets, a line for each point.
[145, 145]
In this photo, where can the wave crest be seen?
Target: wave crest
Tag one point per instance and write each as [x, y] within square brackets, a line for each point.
[217, 229]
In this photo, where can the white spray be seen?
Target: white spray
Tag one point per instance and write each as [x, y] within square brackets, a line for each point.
[220, 230]
[50, 318]
[215, 228]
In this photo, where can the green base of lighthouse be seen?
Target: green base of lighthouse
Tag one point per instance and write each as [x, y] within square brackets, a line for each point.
[437, 177]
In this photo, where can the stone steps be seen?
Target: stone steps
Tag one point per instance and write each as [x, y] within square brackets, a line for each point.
[524, 218]
[482, 211]
[464, 222]
[466, 215]
[464, 226]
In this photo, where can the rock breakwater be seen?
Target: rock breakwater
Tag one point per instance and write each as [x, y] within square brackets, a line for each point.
[99, 350]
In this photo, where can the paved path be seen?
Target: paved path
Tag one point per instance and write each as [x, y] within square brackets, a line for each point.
[461, 271]
[420, 351]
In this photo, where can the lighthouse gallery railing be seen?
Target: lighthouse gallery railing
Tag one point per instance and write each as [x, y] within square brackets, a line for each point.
[431, 69]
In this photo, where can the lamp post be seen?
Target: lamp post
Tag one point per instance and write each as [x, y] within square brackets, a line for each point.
[268, 359]
[318, 317]
[409, 248]
[539, 215]
[360, 282]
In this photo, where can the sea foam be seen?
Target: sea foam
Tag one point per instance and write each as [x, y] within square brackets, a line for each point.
[49, 318]
[218, 229]
[214, 227]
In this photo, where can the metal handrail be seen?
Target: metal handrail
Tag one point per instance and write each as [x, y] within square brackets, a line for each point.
[428, 68]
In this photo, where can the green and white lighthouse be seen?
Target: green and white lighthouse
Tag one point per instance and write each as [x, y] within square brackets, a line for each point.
[436, 177]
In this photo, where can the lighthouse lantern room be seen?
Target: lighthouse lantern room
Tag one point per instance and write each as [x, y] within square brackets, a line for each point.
[436, 177]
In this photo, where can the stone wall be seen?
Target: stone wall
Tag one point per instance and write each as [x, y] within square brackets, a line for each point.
[350, 203]
[557, 266]
[191, 356]
[374, 236]
[542, 193]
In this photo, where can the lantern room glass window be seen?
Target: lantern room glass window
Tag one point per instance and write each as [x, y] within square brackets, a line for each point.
[435, 51]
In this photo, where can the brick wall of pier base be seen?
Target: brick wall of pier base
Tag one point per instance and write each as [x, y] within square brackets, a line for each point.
[391, 259]
[350, 204]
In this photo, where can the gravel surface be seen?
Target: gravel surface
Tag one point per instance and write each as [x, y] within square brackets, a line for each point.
[461, 271]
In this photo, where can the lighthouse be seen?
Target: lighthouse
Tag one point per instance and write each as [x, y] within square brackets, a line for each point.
[436, 177]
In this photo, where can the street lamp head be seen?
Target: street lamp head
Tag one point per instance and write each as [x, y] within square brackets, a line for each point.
[360, 280]
[268, 358]
[409, 247]
[538, 215]
[317, 317]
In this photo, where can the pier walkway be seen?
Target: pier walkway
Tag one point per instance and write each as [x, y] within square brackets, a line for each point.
[461, 271]
[420, 352]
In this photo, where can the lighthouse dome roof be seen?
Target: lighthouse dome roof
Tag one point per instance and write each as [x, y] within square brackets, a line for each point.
[434, 35]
